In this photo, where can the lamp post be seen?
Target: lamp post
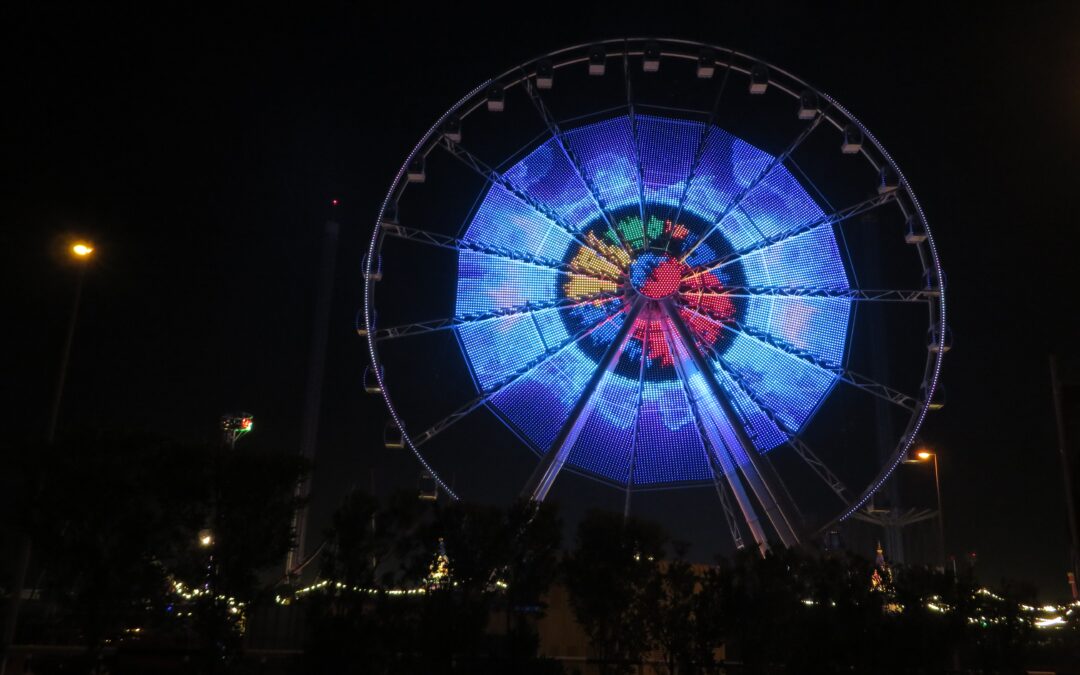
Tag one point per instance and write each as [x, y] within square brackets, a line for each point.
[81, 252]
[921, 456]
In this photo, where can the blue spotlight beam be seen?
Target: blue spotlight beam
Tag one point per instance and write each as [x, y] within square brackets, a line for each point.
[752, 468]
[424, 327]
[723, 467]
[547, 470]
[491, 391]
[738, 199]
[455, 244]
[826, 221]
[493, 177]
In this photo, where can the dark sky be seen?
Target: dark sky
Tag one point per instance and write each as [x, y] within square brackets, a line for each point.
[199, 150]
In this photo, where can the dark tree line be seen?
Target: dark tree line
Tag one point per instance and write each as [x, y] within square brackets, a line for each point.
[502, 561]
[641, 602]
[116, 522]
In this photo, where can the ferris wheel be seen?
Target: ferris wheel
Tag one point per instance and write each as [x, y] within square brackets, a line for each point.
[658, 264]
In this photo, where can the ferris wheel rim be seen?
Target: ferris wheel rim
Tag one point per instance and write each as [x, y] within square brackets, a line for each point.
[837, 115]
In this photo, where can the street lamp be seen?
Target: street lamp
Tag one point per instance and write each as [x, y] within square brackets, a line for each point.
[921, 456]
[81, 252]
[82, 249]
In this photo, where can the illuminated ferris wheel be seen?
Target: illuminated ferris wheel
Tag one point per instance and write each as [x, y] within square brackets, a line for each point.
[658, 264]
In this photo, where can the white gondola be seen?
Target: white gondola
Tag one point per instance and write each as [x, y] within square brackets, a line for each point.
[853, 140]
[452, 129]
[389, 216]
[415, 172]
[888, 181]
[361, 328]
[371, 383]
[937, 401]
[393, 439]
[496, 99]
[938, 339]
[809, 106]
[651, 59]
[706, 64]
[545, 74]
[429, 487]
[931, 286]
[597, 60]
[376, 268]
[915, 233]
[759, 79]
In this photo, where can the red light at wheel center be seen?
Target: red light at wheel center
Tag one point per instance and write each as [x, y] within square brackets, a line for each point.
[656, 275]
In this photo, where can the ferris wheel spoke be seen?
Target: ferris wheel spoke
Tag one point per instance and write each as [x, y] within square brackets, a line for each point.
[455, 244]
[827, 220]
[725, 426]
[637, 149]
[855, 294]
[762, 175]
[424, 327]
[835, 369]
[495, 178]
[637, 416]
[490, 392]
[560, 138]
[791, 437]
[723, 470]
[552, 462]
[699, 155]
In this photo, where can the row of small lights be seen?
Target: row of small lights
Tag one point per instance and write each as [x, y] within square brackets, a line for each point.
[235, 606]
[182, 592]
[1053, 618]
[337, 585]
[934, 603]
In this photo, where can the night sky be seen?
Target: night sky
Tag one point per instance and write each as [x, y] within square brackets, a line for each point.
[199, 150]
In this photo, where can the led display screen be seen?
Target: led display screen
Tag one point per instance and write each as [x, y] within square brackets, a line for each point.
[618, 209]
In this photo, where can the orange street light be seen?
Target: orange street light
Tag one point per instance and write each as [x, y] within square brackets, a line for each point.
[924, 455]
[82, 249]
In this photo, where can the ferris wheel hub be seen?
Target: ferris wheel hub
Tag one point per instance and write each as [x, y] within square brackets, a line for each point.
[656, 275]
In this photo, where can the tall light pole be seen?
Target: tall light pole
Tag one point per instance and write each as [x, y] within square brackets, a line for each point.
[81, 252]
[924, 455]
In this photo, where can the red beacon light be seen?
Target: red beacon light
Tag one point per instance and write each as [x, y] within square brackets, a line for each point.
[334, 202]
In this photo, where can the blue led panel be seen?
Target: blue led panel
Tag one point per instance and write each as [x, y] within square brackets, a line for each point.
[605, 444]
[537, 365]
[549, 177]
[606, 153]
[667, 149]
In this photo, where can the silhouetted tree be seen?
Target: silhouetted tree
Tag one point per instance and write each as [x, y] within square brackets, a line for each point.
[608, 576]
[116, 522]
